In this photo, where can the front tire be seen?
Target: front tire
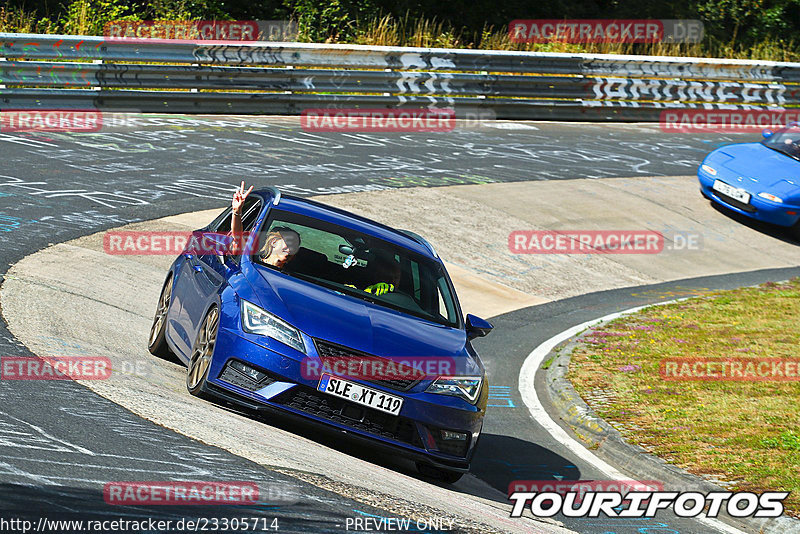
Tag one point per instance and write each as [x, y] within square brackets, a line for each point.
[157, 344]
[203, 350]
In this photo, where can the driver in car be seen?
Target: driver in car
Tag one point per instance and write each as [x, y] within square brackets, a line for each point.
[280, 245]
[793, 146]
[389, 274]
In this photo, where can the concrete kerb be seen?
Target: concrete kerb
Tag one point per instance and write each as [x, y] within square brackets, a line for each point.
[606, 442]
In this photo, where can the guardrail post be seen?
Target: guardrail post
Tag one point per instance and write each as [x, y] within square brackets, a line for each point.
[194, 89]
[96, 87]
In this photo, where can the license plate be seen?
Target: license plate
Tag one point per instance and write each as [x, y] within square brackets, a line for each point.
[734, 192]
[333, 385]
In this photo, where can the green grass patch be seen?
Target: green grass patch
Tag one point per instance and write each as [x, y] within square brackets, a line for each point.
[745, 432]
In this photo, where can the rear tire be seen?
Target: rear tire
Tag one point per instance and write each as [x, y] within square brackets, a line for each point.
[202, 352]
[158, 343]
[443, 475]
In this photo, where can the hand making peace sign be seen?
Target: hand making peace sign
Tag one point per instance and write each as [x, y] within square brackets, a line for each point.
[238, 198]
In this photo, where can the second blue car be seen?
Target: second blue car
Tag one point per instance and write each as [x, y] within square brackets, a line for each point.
[759, 180]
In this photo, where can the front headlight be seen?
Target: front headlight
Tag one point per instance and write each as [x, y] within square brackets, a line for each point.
[466, 387]
[709, 169]
[770, 196]
[258, 321]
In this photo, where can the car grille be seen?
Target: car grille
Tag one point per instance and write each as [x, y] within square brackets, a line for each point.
[331, 351]
[735, 203]
[351, 414]
[233, 373]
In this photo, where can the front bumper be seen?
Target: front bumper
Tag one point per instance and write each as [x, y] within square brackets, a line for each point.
[758, 208]
[415, 432]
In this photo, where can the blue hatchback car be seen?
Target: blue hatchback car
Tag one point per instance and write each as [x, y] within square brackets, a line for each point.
[759, 180]
[306, 338]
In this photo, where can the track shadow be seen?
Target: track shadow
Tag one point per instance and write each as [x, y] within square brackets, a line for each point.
[333, 438]
[776, 232]
[500, 460]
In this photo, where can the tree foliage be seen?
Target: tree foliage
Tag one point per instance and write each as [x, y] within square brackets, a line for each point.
[740, 23]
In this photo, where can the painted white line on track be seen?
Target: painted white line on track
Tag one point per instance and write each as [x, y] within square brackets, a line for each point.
[531, 400]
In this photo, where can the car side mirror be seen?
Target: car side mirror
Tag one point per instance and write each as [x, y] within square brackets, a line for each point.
[477, 327]
[767, 133]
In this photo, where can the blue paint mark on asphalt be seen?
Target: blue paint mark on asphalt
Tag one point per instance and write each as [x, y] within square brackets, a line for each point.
[9, 223]
[500, 397]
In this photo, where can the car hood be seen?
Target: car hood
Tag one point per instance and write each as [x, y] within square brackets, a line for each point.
[325, 314]
[754, 166]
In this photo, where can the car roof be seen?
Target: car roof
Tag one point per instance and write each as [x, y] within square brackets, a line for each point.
[331, 214]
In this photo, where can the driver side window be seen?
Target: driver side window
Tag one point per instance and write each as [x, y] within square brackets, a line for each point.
[222, 224]
[250, 211]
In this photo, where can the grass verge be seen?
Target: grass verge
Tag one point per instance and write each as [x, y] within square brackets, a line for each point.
[744, 433]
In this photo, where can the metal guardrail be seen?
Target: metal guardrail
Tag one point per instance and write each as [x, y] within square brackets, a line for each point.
[160, 75]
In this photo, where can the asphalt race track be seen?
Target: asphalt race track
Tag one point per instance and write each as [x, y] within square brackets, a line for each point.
[59, 441]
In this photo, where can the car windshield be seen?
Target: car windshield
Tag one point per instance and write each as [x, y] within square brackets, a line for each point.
[357, 264]
[785, 140]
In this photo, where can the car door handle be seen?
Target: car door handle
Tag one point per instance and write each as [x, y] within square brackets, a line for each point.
[198, 268]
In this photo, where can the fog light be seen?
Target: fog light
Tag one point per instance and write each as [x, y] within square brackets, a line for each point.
[790, 212]
[453, 436]
[255, 374]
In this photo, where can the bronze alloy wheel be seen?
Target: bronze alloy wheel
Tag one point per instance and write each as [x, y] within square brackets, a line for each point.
[201, 354]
